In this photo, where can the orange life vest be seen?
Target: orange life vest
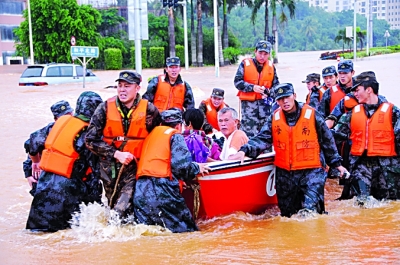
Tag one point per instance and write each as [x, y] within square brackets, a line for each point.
[375, 134]
[349, 103]
[59, 154]
[252, 76]
[336, 95]
[156, 154]
[168, 96]
[296, 147]
[113, 132]
[321, 92]
[212, 113]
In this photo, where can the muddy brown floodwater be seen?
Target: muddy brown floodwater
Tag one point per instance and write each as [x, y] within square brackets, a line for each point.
[347, 235]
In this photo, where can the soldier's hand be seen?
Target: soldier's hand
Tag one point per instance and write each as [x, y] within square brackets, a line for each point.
[36, 170]
[204, 168]
[343, 172]
[259, 89]
[330, 123]
[238, 156]
[31, 180]
[123, 157]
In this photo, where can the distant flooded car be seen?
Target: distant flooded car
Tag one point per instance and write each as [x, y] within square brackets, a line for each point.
[55, 73]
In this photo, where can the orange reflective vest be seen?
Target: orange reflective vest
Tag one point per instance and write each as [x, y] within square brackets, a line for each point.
[349, 103]
[252, 76]
[59, 154]
[336, 95]
[168, 96]
[212, 113]
[114, 134]
[296, 147]
[376, 134]
[321, 92]
[156, 154]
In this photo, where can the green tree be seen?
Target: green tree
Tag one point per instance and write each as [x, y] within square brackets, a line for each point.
[361, 36]
[309, 29]
[54, 22]
[341, 36]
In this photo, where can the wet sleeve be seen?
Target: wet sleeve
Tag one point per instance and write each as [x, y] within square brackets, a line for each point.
[189, 98]
[181, 160]
[94, 136]
[153, 117]
[151, 90]
[314, 98]
[337, 111]
[327, 142]
[206, 126]
[341, 131]
[261, 142]
[37, 139]
[239, 82]
[323, 107]
[27, 167]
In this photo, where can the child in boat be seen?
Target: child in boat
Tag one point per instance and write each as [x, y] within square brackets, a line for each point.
[202, 147]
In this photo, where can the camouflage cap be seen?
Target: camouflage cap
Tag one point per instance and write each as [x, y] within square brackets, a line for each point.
[173, 61]
[264, 46]
[130, 76]
[345, 66]
[61, 108]
[283, 90]
[171, 116]
[330, 70]
[87, 104]
[312, 78]
[218, 92]
[368, 76]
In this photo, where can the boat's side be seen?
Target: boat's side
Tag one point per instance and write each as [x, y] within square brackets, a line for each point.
[231, 187]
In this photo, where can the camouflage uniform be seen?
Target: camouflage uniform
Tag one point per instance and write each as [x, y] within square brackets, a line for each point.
[153, 84]
[254, 113]
[109, 166]
[298, 189]
[38, 138]
[324, 104]
[158, 201]
[57, 197]
[217, 92]
[376, 176]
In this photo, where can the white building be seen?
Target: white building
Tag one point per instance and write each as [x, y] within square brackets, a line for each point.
[381, 9]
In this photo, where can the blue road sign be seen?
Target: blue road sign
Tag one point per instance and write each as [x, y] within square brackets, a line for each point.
[84, 51]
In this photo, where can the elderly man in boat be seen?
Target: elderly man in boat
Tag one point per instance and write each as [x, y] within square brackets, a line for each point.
[228, 123]
[303, 145]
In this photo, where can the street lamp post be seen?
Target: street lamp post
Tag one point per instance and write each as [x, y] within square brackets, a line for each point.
[32, 60]
[354, 34]
[216, 32]
[387, 35]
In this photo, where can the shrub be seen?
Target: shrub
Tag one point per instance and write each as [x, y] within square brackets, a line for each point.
[156, 58]
[113, 59]
[145, 63]
[180, 52]
[232, 54]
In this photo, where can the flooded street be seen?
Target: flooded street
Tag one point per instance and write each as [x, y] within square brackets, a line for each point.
[347, 235]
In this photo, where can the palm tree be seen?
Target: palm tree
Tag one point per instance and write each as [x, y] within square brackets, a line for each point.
[290, 4]
[193, 35]
[308, 28]
[171, 32]
[342, 37]
[361, 36]
[256, 6]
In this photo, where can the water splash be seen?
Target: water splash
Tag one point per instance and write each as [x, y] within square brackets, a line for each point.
[97, 223]
[368, 202]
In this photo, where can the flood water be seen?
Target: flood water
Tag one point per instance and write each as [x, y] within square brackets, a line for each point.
[347, 235]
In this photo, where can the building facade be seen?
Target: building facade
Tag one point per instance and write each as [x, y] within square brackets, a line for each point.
[10, 18]
[381, 9]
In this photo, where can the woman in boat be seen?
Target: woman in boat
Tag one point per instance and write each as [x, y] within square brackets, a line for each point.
[202, 147]
[157, 199]
[303, 145]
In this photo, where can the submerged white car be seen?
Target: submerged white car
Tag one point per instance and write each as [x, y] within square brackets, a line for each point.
[55, 73]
